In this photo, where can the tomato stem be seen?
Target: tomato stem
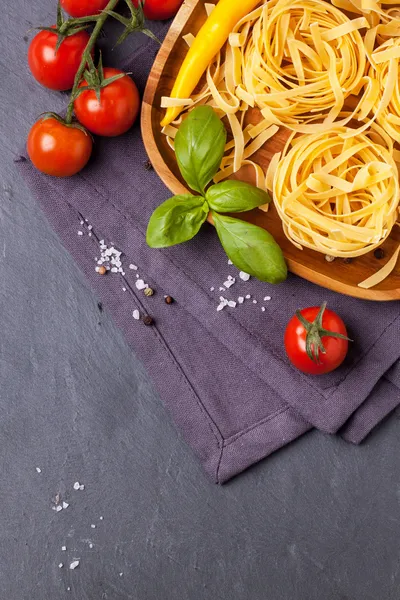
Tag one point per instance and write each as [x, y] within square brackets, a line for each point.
[102, 18]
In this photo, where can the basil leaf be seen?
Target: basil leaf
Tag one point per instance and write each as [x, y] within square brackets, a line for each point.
[175, 221]
[251, 249]
[199, 147]
[235, 196]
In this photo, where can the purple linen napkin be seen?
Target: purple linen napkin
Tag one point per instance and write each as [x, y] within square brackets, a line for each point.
[223, 375]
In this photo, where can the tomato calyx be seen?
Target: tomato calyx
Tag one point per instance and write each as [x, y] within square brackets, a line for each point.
[314, 334]
[67, 27]
[135, 22]
[94, 77]
[74, 124]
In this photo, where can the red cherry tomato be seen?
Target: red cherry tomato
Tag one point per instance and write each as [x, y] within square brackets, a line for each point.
[56, 70]
[158, 10]
[117, 110]
[83, 8]
[319, 331]
[58, 149]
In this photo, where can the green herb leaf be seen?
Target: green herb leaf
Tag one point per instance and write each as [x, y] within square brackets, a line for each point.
[175, 221]
[199, 147]
[235, 196]
[251, 249]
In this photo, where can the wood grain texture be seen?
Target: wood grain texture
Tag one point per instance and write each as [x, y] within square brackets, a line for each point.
[337, 276]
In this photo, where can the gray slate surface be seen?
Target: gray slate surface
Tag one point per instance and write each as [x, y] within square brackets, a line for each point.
[319, 520]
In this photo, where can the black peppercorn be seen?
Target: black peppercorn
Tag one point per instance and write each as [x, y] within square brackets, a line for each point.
[169, 299]
[379, 253]
[148, 320]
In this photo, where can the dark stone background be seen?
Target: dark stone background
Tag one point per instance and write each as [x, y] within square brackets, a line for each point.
[319, 520]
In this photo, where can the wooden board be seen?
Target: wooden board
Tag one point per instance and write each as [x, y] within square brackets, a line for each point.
[337, 275]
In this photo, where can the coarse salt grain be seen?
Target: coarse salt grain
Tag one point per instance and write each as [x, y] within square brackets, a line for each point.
[60, 566]
[120, 574]
[76, 485]
[267, 298]
[80, 232]
[263, 308]
[114, 270]
[65, 504]
[90, 545]
[63, 548]
[68, 589]
[240, 299]
[57, 508]
[141, 285]
[38, 470]
[101, 518]
[133, 267]
[212, 289]
[74, 564]
[229, 283]
[136, 315]
[82, 222]
[93, 526]
[244, 276]
[231, 303]
[230, 262]
[124, 289]
[254, 301]
[222, 289]
[248, 297]
[81, 487]
[90, 227]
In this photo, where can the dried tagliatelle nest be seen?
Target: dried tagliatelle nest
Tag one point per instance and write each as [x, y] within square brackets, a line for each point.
[335, 193]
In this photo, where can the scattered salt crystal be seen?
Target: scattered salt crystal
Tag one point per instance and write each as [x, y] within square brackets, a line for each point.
[222, 289]
[120, 574]
[231, 303]
[221, 306]
[65, 504]
[97, 269]
[123, 273]
[90, 545]
[90, 234]
[101, 242]
[212, 289]
[124, 289]
[93, 526]
[136, 315]
[263, 308]
[60, 566]
[137, 275]
[68, 589]
[57, 508]
[244, 276]
[267, 298]
[101, 518]
[86, 221]
[81, 487]
[254, 301]
[240, 300]
[38, 470]
[80, 232]
[63, 548]
[133, 267]
[231, 278]
[229, 283]
[74, 564]
[230, 262]
[76, 485]
[248, 297]
[90, 227]
[114, 270]
[82, 222]
[141, 285]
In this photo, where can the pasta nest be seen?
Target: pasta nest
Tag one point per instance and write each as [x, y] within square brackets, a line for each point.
[301, 59]
[335, 193]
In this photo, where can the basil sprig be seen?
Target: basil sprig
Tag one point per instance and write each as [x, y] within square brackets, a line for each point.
[199, 147]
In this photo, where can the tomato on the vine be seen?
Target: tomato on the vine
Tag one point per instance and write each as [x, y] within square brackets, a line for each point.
[159, 10]
[316, 340]
[58, 149]
[83, 8]
[56, 69]
[118, 107]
